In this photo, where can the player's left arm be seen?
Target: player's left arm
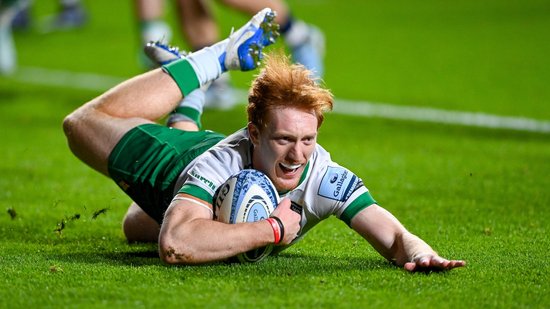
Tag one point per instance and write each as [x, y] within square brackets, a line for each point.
[392, 240]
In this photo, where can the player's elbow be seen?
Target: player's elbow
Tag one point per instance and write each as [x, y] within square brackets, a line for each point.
[176, 254]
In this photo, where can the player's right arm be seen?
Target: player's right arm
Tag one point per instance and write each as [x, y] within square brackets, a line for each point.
[390, 238]
[189, 235]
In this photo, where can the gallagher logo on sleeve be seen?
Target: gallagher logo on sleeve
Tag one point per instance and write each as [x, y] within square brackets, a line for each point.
[207, 182]
[337, 184]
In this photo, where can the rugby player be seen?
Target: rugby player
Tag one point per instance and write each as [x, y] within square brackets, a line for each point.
[172, 173]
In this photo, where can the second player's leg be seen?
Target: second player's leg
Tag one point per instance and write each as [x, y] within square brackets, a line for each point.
[95, 128]
[197, 23]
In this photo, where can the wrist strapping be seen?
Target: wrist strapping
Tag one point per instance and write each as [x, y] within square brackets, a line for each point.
[278, 229]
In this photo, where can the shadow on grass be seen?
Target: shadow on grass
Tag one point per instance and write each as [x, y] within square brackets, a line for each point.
[283, 264]
[144, 255]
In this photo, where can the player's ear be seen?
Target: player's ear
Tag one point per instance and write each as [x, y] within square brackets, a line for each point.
[254, 133]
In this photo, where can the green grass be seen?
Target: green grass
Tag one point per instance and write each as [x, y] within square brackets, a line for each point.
[475, 194]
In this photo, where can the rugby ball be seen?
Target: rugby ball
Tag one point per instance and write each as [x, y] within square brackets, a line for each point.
[247, 196]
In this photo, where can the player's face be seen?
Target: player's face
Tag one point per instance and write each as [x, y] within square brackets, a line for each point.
[284, 147]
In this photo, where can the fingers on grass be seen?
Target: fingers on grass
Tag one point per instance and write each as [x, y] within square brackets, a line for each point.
[410, 266]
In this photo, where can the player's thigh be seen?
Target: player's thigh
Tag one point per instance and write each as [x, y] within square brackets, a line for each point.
[92, 135]
[148, 160]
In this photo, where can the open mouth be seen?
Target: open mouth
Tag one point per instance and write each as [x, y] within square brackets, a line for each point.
[289, 168]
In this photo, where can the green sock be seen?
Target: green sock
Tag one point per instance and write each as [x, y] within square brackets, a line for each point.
[183, 74]
[198, 68]
[190, 109]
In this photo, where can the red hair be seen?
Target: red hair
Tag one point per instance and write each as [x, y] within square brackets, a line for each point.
[283, 84]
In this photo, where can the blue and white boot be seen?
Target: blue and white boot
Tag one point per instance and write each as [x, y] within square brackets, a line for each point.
[241, 51]
[161, 53]
[244, 47]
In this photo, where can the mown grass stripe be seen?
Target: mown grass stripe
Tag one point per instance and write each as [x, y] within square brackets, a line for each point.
[67, 79]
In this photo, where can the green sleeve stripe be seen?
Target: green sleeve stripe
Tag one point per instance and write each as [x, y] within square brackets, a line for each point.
[183, 74]
[197, 192]
[360, 203]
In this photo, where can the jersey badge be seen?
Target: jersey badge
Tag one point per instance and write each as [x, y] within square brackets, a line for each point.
[338, 184]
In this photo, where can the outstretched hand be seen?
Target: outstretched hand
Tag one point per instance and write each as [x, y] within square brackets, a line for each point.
[432, 262]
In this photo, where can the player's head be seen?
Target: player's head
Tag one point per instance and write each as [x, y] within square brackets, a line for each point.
[283, 84]
[285, 111]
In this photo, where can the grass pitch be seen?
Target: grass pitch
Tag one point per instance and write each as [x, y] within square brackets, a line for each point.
[472, 193]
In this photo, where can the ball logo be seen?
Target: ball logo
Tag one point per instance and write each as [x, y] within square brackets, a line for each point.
[222, 194]
[255, 209]
[247, 196]
[220, 197]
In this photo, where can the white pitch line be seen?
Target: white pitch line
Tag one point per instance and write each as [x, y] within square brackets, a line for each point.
[61, 78]
[98, 82]
[426, 114]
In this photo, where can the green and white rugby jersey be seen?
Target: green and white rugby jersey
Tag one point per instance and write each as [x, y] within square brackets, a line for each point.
[325, 187]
